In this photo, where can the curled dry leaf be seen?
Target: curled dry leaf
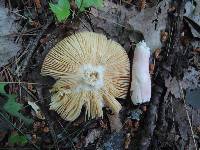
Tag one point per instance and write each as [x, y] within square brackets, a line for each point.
[37, 110]
[91, 71]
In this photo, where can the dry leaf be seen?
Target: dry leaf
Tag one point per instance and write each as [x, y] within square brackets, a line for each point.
[37, 110]
[173, 86]
[115, 122]
[154, 23]
[92, 136]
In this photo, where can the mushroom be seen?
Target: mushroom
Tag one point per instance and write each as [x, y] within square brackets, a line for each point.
[141, 81]
[91, 71]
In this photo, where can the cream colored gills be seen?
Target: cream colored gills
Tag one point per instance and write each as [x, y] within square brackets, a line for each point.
[91, 71]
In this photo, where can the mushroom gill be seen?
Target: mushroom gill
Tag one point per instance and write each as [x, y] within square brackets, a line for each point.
[91, 71]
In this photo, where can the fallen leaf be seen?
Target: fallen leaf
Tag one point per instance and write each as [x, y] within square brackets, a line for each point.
[115, 122]
[155, 22]
[135, 114]
[173, 86]
[191, 79]
[192, 17]
[92, 136]
[37, 110]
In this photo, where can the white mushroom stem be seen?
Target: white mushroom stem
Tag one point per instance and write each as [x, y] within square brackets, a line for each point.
[141, 81]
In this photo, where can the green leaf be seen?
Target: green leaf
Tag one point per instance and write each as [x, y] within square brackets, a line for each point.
[2, 88]
[13, 108]
[15, 138]
[61, 9]
[83, 4]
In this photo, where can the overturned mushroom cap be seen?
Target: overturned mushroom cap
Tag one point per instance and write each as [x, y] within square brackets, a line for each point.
[91, 71]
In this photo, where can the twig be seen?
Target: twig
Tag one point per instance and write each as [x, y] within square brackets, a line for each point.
[22, 82]
[188, 117]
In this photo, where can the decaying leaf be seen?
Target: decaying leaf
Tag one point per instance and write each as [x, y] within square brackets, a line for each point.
[135, 114]
[173, 86]
[92, 136]
[115, 122]
[192, 17]
[191, 79]
[37, 110]
[155, 22]
[8, 26]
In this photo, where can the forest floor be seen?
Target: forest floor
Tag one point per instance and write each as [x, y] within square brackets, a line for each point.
[171, 120]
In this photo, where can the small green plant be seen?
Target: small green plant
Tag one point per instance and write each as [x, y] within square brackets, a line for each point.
[62, 9]
[15, 138]
[83, 4]
[12, 107]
